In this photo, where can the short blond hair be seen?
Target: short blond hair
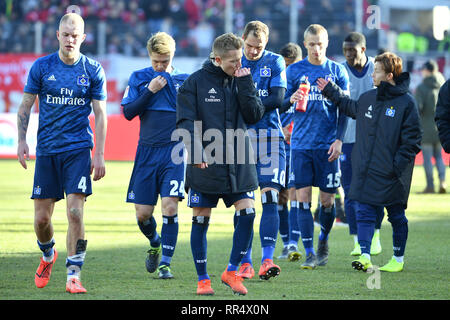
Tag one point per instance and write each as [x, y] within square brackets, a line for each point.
[161, 43]
[72, 18]
[315, 29]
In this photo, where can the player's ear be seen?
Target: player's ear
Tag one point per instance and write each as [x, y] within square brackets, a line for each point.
[218, 60]
[84, 37]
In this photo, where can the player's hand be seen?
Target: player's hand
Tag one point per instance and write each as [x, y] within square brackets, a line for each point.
[297, 96]
[335, 150]
[287, 134]
[98, 167]
[157, 84]
[202, 165]
[23, 153]
[242, 72]
[322, 83]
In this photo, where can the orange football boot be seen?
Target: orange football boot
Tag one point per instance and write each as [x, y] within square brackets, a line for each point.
[44, 271]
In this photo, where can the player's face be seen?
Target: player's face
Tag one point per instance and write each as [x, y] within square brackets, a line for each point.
[230, 62]
[254, 46]
[161, 62]
[379, 74]
[316, 45]
[70, 36]
[353, 52]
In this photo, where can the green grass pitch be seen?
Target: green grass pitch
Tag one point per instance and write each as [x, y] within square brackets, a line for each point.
[115, 269]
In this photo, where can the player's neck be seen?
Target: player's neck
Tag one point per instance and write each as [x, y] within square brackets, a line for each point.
[317, 61]
[69, 60]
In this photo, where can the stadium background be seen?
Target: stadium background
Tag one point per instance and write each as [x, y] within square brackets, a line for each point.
[117, 32]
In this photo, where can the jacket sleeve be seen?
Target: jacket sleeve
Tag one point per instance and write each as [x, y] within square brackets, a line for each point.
[250, 104]
[188, 128]
[346, 105]
[410, 138]
[442, 116]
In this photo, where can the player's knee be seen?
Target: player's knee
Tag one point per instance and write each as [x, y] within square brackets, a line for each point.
[169, 207]
[269, 197]
[398, 220]
[143, 213]
[42, 221]
[75, 214]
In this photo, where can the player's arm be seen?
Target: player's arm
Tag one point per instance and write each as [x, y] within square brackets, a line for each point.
[138, 106]
[332, 91]
[250, 104]
[23, 118]
[98, 163]
[275, 99]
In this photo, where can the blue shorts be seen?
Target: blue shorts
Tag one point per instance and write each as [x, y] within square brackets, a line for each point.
[206, 200]
[271, 164]
[311, 168]
[154, 173]
[68, 172]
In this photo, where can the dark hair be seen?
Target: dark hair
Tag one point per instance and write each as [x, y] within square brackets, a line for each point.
[357, 38]
[391, 63]
[291, 51]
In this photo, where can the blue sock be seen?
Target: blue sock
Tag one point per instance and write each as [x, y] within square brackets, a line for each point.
[269, 225]
[46, 247]
[283, 212]
[306, 224]
[242, 235]
[294, 229]
[326, 218]
[148, 228]
[169, 235]
[350, 213]
[365, 219]
[399, 224]
[199, 245]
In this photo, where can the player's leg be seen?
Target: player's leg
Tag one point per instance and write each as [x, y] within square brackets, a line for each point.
[169, 234]
[47, 189]
[283, 213]
[143, 192]
[399, 222]
[77, 184]
[294, 253]
[375, 247]
[201, 205]
[76, 245]
[365, 218]
[244, 217]
[327, 215]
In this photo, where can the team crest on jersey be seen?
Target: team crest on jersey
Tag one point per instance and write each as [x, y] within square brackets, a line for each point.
[265, 72]
[37, 190]
[390, 112]
[83, 80]
[131, 195]
[329, 77]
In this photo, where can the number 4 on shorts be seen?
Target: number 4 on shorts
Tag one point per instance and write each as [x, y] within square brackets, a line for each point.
[82, 184]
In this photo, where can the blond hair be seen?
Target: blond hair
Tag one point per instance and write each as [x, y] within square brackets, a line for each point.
[226, 42]
[161, 43]
[315, 29]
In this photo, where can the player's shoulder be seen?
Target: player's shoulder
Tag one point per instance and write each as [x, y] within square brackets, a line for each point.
[272, 57]
[144, 74]
[90, 62]
[179, 75]
[47, 60]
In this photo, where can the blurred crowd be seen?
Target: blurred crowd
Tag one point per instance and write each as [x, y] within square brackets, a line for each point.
[193, 23]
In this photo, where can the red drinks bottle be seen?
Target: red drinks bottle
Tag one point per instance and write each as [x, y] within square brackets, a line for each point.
[304, 87]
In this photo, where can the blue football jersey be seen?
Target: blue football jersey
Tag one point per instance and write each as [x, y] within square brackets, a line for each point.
[267, 72]
[65, 93]
[317, 127]
[159, 120]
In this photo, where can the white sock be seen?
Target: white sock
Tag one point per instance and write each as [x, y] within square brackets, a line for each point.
[355, 239]
[399, 259]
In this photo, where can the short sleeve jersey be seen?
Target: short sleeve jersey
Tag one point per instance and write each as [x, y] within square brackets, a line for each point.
[65, 93]
[267, 72]
[159, 119]
[316, 128]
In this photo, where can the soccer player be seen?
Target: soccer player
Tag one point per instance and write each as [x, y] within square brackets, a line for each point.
[388, 135]
[316, 142]
[289, 229]
[208, 102]
[69, 86]
[151, 95]
[360, 69]
[269, 75]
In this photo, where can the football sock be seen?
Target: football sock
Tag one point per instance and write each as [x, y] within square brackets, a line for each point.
[294, 229]
[365, 234]
[169, 234]
[350, 213]
[75, 262]
[326, 218]
[47, 249]
[283, 212]
[399, 232]
[306, 224]
[269, 225]
[241, 236]
[199, 245]
[148, 228]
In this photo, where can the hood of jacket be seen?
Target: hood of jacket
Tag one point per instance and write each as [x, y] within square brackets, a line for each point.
[209, 66]
[387, 91]
[434, 81]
